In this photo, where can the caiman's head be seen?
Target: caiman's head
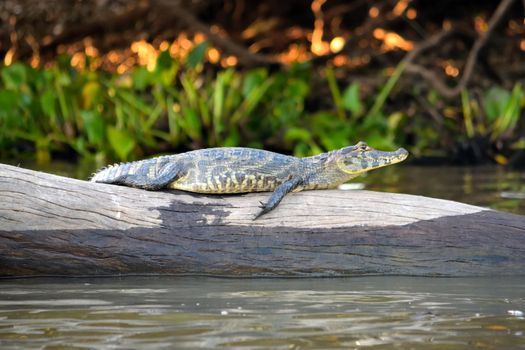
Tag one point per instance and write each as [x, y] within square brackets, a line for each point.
[360, 158]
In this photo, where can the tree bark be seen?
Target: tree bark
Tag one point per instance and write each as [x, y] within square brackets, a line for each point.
[51, 225]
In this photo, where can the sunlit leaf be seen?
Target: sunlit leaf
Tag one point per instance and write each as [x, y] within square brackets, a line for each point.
[297, 134]
[394, 120]
[501, 159]
[352, 100]
[191, 123]
[14, 75]
[253, 79]
[121, 141]
[495, 100]
[510, 114]
[467, 113]
[43, 154]
[90, 94]
[62, 78]
[94, 125]
[336, 92]
[47, 102]
[141, 78]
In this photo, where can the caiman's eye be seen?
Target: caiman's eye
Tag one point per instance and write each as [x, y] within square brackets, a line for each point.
[361, 146]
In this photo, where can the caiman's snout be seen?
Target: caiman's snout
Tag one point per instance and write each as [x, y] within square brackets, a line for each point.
[401, 154]
[362, 158]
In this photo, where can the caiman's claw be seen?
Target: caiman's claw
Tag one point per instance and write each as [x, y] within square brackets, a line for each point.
[262, 212]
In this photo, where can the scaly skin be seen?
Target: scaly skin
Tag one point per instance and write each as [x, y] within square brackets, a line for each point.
[242, 170]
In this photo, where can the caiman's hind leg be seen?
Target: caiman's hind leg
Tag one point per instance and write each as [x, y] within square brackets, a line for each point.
[152, 180]
[278, 195]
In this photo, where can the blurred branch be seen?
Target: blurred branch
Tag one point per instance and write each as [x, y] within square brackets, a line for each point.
[244, 56]
[364, 29]
[106, 23]
[436, 81]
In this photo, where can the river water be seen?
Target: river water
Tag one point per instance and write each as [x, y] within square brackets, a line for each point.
[391, 312]
[206, 313]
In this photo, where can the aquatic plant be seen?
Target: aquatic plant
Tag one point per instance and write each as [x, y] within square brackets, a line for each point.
[180, 104]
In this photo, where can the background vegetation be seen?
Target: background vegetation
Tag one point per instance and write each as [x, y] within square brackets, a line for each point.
[189, 92]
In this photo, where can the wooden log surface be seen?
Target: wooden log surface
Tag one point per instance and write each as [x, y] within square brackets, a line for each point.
[52, 225]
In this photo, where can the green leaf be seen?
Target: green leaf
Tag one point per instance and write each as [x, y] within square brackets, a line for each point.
[351, 99]
[47, 102]
[379, 141]
[8, 101]
[90, 94]
[94, 125]
[141, 78]
[14, 75]
[495, 100]
[164, 61]
[293, 135]
[467, 113]
[253, 79]
[190, 90]
[333, 132]
[62, 78]
[191, 123]
[507, 121]
[196, 56]
[297, 89]
[232, 139]
[121, 141]
[336, 93]
[394, 120]
[166, 69]
[387, 89]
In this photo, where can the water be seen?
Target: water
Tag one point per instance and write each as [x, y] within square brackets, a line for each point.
[346, 313]
[207, 313]
[486, 186]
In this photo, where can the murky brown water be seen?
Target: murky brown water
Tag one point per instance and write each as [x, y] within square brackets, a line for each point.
[347, 313]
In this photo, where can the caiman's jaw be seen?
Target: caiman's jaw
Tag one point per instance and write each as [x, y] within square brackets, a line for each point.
[361, 158]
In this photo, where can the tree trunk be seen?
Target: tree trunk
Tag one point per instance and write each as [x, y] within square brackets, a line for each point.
[51, 225]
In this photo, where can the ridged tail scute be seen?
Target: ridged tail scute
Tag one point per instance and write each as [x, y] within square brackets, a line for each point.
[103, 175]
[110, 174]
[150, 174]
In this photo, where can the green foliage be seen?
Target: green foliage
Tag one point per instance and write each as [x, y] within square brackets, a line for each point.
[178, 106]
[503, 110]
[496, 119]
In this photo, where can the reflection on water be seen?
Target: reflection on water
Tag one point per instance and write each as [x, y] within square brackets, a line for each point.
[493, 187]
[185, 312]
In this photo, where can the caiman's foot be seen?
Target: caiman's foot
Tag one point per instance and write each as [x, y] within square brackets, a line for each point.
[264, 209]
[278, 195]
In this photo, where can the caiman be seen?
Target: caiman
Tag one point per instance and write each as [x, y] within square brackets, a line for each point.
[242, 170]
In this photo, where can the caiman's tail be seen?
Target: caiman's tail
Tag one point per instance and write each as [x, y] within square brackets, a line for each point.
[112, 173]
[151, 174]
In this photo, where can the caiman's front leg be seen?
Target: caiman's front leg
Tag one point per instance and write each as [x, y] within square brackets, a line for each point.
[278, 195]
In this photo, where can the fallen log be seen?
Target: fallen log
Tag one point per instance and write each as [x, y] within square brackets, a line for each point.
[52, 225]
